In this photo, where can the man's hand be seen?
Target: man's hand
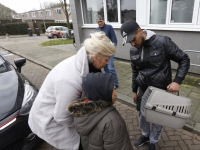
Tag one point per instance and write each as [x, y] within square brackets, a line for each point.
[135, 98]
[173, 87]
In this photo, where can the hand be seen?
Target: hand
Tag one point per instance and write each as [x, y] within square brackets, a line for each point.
[173, 87]
[135, 98]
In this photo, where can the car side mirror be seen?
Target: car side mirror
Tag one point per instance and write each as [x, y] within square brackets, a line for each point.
[19, 62]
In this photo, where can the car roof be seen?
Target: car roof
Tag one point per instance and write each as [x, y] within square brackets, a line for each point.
[57, 26]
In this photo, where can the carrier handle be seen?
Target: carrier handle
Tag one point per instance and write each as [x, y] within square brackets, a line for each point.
[177, 93]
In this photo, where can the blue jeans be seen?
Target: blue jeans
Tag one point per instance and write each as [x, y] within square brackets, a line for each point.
[110, 69]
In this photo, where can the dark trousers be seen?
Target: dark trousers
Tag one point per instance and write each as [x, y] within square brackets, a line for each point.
[80, 146]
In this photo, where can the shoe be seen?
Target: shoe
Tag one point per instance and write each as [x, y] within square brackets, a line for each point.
[152, 146]
[116, 86]
[142, 140]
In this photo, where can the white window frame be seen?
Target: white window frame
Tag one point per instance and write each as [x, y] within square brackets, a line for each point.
[27, 15]
[114, 24]
[47, 11]
[33, 14]
[198, 15]
[194, 19]
[40, 13]
[173, 25]
[56, 11]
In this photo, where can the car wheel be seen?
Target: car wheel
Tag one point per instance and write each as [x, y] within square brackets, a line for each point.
[55, 36]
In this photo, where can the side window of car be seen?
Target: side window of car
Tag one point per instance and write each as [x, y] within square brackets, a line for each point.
[58, 28]
[3, 67]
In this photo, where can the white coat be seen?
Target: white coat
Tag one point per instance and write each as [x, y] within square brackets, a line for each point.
[48, 116]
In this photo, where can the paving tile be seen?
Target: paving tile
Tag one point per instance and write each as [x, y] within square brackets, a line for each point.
[197, 128]
[194, 95]
[175, 138]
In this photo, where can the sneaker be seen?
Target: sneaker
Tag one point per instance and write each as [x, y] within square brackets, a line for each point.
[116, 86]
[142, 140]
[152, 146]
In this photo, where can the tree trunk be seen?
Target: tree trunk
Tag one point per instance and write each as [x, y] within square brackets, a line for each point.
[64, 7]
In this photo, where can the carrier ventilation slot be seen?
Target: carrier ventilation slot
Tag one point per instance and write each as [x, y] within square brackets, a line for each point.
[180, 109]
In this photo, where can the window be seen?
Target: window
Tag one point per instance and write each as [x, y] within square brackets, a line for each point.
[171, 11]
[91, 8]
[182, 11]
[22, 15]
[48, 13]
[16, 16]
[33, 14]
[3, 66]
[128, 10]
[27, 15]
[158, 11]
[58, 11]
[113, 11]
[40, 13]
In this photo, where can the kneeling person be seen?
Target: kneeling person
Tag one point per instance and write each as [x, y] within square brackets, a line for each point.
[96, 120]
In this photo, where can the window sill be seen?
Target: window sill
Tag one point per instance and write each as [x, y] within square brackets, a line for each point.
[164, 27]
[168, 28]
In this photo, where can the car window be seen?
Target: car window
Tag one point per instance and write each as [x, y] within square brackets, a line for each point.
[3, 66]
[58, 28]
[64, 28]
[49, 28]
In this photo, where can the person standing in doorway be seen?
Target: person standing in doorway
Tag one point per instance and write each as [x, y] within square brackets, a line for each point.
[151, 57]
[110, 33]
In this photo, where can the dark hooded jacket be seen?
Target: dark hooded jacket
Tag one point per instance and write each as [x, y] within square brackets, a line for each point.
[151, 64]
[100, 126]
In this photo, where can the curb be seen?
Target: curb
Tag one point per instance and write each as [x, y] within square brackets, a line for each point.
[189, 126]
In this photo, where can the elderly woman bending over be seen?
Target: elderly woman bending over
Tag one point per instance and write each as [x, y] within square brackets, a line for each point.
[48, 117]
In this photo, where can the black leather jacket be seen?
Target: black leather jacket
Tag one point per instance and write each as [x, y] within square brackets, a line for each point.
[151, 64]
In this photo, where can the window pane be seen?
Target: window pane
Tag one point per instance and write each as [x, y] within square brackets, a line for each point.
[3, 66]
[182, 11]
[128, 10]
[158, 11]
[92, 8]
[112, 11]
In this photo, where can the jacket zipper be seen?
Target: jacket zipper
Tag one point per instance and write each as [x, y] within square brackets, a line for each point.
[142, 54]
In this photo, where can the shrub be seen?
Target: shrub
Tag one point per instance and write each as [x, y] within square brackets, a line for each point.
[13, 28]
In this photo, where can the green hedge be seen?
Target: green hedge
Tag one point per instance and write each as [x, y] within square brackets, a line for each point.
[13, 28]
[55, 24]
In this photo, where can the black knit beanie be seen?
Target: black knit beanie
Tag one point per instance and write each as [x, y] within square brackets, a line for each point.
[98, 86]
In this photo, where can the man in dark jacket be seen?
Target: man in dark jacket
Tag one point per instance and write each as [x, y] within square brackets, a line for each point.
[150, 56]
[110, 33]
[98, 122]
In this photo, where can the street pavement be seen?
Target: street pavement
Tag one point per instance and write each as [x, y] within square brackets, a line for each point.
[40, 60]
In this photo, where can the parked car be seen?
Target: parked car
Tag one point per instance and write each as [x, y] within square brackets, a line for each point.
[56, 31]
[17, 95]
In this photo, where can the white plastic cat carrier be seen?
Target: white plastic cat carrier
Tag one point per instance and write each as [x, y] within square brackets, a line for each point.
[164, 108]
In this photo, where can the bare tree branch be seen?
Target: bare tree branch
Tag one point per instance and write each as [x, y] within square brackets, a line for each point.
[6, 12]
[64, 8]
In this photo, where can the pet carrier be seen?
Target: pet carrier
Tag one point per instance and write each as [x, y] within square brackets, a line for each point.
[164, 108]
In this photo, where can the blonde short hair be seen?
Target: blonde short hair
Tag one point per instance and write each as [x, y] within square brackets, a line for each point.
[99, 44]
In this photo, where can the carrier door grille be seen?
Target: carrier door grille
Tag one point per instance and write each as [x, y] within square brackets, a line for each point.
[145, 98]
